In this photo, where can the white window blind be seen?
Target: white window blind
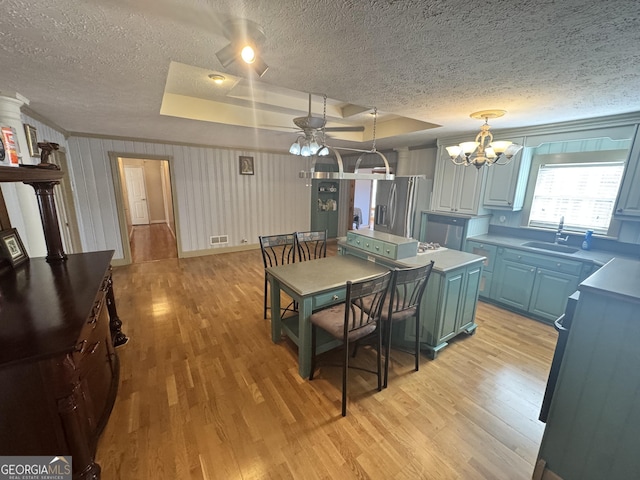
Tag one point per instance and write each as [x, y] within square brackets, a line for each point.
[583, 193]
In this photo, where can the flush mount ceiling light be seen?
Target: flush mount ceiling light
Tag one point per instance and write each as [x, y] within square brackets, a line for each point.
[484, 151]
[245, 37]
[217, 79]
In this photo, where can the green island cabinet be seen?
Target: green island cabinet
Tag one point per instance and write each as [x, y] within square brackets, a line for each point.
[449, 304]
[534, 283]
[593, 422]
[324, 206]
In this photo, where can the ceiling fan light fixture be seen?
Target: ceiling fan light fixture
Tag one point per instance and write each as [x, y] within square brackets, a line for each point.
[484, 151]
[295, 148]
[323, 152]
[305, 151]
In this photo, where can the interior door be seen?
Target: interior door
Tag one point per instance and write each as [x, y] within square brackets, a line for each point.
[137, 195]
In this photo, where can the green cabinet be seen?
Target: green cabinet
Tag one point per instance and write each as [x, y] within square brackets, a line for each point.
[324, 206]
[506, 184]
[489, 252]
[515, 285]
[449, 303]
[448, 308]
[456, 188]
[383, 244]
[628, 202]
[550, 292]
[533, 283]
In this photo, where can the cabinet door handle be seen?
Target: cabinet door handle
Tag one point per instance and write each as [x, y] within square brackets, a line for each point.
[533, 269]
[559, 265]
[335, 297]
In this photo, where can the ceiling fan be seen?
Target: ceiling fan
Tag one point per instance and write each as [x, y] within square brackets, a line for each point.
[310, 123]
[313, 130]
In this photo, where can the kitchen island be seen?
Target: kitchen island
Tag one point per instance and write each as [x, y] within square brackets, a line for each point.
[449, 303]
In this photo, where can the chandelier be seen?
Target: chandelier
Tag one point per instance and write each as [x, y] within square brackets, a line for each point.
[484, 151]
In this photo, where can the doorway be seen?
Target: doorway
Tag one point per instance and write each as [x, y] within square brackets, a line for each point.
[146, 208]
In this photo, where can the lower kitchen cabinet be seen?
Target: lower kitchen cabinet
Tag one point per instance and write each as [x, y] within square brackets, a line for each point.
[515, 284]
[534, 283]
[448, 308]
[489, 252]
[550, 292]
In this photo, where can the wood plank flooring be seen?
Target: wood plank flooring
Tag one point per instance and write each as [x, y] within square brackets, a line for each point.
[152, 242]
[205, 394]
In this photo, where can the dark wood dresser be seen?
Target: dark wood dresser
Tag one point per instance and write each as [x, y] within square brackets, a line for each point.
[58, 367]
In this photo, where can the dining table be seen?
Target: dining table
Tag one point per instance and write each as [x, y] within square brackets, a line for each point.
[313, 285]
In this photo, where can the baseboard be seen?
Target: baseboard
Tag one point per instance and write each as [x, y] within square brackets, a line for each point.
[215, 251]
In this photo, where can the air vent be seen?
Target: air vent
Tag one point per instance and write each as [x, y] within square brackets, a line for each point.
[218, 239]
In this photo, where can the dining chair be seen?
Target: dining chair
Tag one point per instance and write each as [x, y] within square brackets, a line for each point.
[277, 250]
[403, 302]
[311, 245]
[349, 322]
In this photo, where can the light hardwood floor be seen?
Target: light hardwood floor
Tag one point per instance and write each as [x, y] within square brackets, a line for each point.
[205, 394]
[152, 242]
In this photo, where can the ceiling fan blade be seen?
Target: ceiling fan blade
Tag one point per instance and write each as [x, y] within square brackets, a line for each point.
[344, 129]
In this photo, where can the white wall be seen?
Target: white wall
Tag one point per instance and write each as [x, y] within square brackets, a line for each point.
[211, 197]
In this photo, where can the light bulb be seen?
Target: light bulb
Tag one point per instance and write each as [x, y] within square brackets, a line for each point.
[248, 54]
[468, 147]
[314, 147]
[454, 151]
[305, 151]
[323, 152]
[500, 146]
[295, 148]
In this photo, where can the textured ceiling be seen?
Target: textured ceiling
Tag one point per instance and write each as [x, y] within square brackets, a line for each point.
[101, 67]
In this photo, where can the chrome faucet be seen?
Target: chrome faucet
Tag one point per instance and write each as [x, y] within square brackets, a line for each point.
[559, 238]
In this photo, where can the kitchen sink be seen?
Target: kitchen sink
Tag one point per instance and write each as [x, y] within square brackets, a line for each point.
[553, 247]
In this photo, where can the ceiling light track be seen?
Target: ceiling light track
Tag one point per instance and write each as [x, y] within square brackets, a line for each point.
[246, 37]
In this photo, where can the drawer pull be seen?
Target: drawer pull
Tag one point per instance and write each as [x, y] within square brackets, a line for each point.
[80, 346]
[388, 251]
[94, 348]
[559, 265]
[377, 247]
[335, 297]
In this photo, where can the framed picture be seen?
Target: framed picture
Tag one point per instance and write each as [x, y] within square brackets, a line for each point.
[246, 165]
[32, 140]
[11, 247]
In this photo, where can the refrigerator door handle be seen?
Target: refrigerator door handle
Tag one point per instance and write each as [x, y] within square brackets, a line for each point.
[393, 195]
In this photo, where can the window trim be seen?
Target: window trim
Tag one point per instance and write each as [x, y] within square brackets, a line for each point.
[619, 155]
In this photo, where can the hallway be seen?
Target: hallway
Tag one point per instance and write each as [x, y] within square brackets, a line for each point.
[152, 242]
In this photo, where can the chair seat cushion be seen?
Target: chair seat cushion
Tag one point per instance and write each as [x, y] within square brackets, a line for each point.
[332, 320]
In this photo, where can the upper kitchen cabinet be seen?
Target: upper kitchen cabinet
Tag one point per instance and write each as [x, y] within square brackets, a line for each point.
[506, 184]
[628, 203]
[456, 188]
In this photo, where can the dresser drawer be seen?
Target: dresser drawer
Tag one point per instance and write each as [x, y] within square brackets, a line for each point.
[329, 298]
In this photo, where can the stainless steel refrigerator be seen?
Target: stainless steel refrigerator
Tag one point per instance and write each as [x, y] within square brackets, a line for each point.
[399, 203]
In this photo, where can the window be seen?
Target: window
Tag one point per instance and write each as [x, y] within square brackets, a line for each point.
[583, 193]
